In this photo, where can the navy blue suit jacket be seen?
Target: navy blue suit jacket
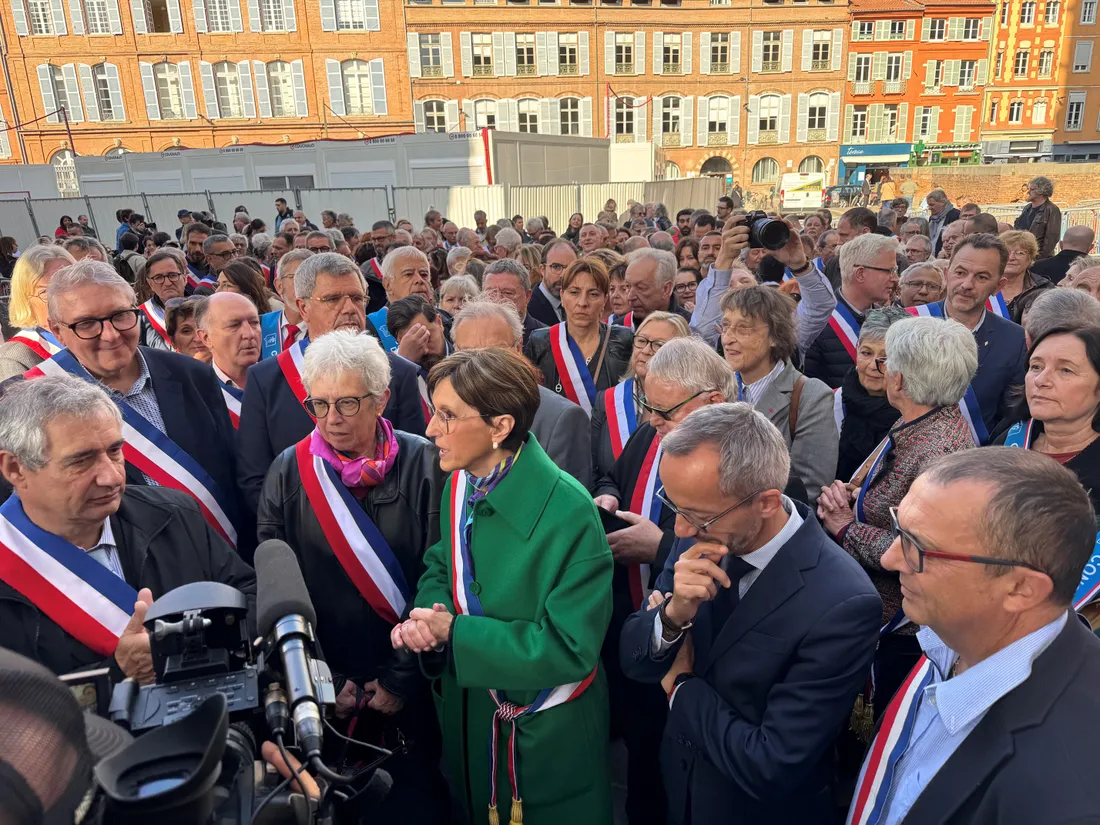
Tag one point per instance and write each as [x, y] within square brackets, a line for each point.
[272, 419]
[749, 740]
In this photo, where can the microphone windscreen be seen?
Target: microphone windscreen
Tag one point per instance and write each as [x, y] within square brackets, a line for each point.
[280, 589]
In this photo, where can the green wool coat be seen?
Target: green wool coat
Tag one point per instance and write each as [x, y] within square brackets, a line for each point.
[543, 572]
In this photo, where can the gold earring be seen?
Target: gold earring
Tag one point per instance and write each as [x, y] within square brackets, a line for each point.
[496, 446]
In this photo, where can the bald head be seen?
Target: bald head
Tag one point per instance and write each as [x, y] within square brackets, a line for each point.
[636, 242]
[220, 305]
[229, 325]
[661, 240]
[1079, 239]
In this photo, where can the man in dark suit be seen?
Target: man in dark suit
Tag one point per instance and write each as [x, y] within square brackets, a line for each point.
[545, 303]
[994, 729]
[331, 294]
[765, 635]
[941, 213]
[508, 280]
[1077, 241]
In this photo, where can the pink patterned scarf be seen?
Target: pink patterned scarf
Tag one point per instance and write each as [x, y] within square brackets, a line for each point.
[360, 472]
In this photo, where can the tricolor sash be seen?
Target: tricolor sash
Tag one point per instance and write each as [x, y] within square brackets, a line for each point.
[573, 373]
[376, 267]
[846, 326]
[425, 399]
[926, 310]
[209, 283]
[232, 397]
[290, 362]
[192, 277]
[622, 419]
[40, 341]
[622, 320]
[1022, 434]
[87, 600]
[998, 306]
[355, 540]
[873, 787]
[466, 602]
[155, 316]
[838, 408]
[385, 337]
[869, 468]
[152, 452]
[270, 343]
[644, 502]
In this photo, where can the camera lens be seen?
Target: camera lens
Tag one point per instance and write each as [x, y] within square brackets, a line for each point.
[771, 233]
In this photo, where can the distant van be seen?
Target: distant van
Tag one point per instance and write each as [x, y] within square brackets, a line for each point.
[799, 191]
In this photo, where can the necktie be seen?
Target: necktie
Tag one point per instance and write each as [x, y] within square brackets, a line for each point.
[291, 335]
[728, 597]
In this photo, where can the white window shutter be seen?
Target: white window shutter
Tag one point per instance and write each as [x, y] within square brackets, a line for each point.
[982, 72]
[378, 87]
[984, 28]
[263, 93]
[446, 46]
[498, 54]
[754, 120]
[555, 116]
[541, 69]
[609, 53]
[952, 71]
[855, 31]
[370, 15]
[298, 77]
[235, 22]
[925, 29]
[290, 17]
[874, 122]
[187, 90]
[19, 14]
[687, 121]
[582, 40]
[72, 91]
[832, 119]
[76, 13]
[57, 11]
[878, 66]
[507, 115]
[255, 21]
[807, 49]
[685, 53]
[934, 129]
[657, 102]
[137, 14]
[199, 7]
[957, 136]
[735, 53]
[658, 53]
[468, 110]
[802, 127]
[639, 124]
[757, 51]
[175, 17]
[639, 52]
[114, 18]
[907, 66]
[702, 114]
[5, 142]
[209, 91]
[418, 116]
[467, 50]
[903, 121]
[785, 119]
[910, 29]
[851, 67]
[930, 74]
[704, 53]
[586, 116]
[149, 87]
[510, 57]
[248, 97]
[838, 49]
[544, 116]
[335, 87]
[87, 86]
[450, 112]
[849, 113]
[552, 52]
[328, 16]
[882, 29]
[114, 90]
[917, 114]
[733, 129]
[412, 47]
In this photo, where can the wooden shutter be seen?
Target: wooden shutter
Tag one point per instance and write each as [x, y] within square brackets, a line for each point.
[87, 86]
[298, 78]
[335, 87]
[412, 50]
[704, 53]
[248, 97]
[378, 87]
[263, 93]
[802, 127]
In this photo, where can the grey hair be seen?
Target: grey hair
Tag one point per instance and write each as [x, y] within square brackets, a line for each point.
[666, 263]
[261, 243]
[459, 283]
[660, 210]
[1045, 186]
[318, 235]
[208, 244]
[860, 250]
[1080, 264]
[752, 455]
[342, 351]
[289, 258]
[85, 242]
[456, 252]
[243, 216]
[937, 195]
[936, 358]
[887, 217]
[283, 225]
[344, 216]
[879, 320]
[661, 240]
[83, 273]
[336, 236]
[30, 406]
[323, 263]
[913, 269]
[509, 266]
[1061, 308]
[535, 225]
[924, 241]
[237, 238]
[919, 224]
[389, 263]
[482, 308]
[693, 364]
[510, 239]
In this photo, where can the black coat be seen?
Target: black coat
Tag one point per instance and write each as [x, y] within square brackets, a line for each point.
[530, 325]
[539, 353]
[1054, 268]
[867, 419]
[953, 215]
[272, 419]
[603, 457]
[827, 359]
[405, 509]
[539, 307]
[163, 542]
[1085, 465]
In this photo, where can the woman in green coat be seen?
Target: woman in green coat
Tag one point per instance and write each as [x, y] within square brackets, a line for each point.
[512, 610]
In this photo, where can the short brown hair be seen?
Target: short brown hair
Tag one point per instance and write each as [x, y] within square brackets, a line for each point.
[1019, 239]
[178, 310]
[493, 382]
[590, 266]
[775, 309]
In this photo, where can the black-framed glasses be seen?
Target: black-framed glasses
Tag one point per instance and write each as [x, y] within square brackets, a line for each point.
[671, 411]
[880, 365]
[91, 328]
[347, 406]
[641, 342]
[892, 270]
[915, 555]
[168, 276]
[319, 249]
[702, 528]
[229, 253]
[447, 418]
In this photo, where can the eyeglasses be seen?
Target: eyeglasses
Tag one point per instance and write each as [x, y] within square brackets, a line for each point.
[347, 406]
[880, 365]
[641, 342]
[556, 267]
[915, 555]
[232, 253]
[160, 279]
[683, 289]
[337, 300]
[325, 248]
[923, 286]
[739, 331]
[891, 271]
[89, 329]
[446, 418]
[702, 528]
[667, 414]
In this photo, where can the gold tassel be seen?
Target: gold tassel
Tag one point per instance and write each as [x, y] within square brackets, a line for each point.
[494, 817]
[517, 812]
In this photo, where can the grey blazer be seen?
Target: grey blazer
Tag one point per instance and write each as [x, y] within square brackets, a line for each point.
[16, 359]
[814, 451]
[565, 433]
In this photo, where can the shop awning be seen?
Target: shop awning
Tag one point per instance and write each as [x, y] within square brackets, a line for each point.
[858, 160]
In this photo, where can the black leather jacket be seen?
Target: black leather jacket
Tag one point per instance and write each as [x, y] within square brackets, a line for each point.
[539, 353]
[405, 509]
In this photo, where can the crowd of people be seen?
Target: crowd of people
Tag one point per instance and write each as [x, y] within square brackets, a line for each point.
[809, 530]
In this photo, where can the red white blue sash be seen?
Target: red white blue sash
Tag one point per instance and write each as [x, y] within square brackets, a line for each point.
[846, 326]
[374, 265]
[192, 278]
[644, 502]
[573, 373]
[926, 310]
[1022, 434]
[152, 452]
[232, 397]
[40, 341]
[622, 419]
[895, 732]
[290, 362]
[155, 316]
[466, 602]
[875, 460]
[998, 306]
[209, 283]
[357, 543]
[82, 596]
[622, 320]
[425, 398]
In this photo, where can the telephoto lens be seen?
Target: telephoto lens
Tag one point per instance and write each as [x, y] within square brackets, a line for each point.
[767, 233]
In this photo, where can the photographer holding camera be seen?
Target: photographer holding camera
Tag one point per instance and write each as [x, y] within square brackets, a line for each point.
[82, 556]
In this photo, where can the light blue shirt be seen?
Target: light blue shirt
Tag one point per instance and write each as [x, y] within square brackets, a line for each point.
[106, 550]
[950, 709]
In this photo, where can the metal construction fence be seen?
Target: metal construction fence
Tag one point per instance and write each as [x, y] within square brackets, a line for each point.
[28, 218]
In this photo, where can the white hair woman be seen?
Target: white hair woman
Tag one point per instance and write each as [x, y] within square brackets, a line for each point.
[929, 366]
[34, 343]
[359, 503]
[456, 291]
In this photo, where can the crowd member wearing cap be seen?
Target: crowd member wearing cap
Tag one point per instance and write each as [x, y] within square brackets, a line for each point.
[90, 544]
[184, 217]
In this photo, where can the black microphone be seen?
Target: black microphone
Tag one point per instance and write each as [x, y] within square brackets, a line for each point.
[286, 615]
